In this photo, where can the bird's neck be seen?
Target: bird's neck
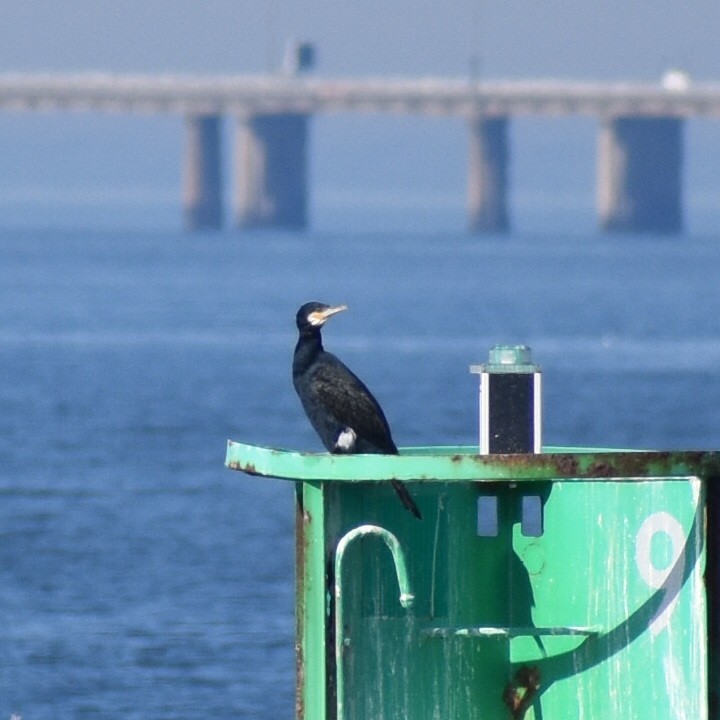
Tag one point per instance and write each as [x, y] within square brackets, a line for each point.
[308, 346]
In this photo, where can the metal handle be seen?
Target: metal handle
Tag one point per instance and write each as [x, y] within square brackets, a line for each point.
[406, 596]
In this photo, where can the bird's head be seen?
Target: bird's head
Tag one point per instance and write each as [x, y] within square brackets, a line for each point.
[315, 314]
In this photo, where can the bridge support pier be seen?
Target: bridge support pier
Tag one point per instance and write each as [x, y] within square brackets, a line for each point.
[271, 171]
[202, 172]
[640, 175]
[487, 175]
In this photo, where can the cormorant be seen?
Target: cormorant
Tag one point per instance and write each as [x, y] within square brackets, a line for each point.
[342, 410]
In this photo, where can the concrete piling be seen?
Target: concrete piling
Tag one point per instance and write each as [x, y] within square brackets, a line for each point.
[202, 173]
[640, 175]
[488, 175]
[271, 171]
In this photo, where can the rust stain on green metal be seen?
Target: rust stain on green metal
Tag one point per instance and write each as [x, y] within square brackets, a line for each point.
[521, 690]
[464, 464]
[300, 555]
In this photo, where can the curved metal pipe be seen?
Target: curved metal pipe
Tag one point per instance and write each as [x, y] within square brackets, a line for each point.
[406, 596]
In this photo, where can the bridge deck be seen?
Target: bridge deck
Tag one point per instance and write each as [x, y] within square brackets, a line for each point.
[246, 94]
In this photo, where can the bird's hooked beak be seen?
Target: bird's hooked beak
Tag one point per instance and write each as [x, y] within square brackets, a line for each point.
[320, 317]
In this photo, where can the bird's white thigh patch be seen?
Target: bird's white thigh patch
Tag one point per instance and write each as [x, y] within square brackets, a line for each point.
[346, 440]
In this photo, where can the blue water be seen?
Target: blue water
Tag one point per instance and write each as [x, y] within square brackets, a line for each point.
[141, 579]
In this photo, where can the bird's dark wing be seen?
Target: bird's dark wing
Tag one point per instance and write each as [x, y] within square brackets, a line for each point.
[347, 398]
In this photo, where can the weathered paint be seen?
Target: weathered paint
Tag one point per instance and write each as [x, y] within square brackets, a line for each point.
[463, 464]
[300, 560]
[628, 558]
[603, 615]
[712, 580]
[312, 620]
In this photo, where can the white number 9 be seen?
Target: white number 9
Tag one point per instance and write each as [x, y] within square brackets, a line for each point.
[669, 578]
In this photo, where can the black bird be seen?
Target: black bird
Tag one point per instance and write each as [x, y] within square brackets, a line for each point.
[342, 410]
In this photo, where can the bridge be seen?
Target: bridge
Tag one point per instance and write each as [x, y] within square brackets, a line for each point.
[640, 155]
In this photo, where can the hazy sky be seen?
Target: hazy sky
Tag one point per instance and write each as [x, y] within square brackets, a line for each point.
[513, 38]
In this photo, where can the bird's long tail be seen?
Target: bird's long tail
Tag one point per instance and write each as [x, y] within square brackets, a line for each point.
[406, 498]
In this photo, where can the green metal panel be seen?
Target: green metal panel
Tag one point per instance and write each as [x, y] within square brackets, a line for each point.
[629, 560]
[407, 673]
[602, 615]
